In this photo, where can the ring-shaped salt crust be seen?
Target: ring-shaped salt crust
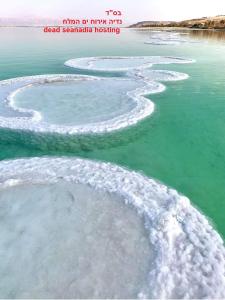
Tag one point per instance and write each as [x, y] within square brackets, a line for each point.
[122, 63]
[189, 257]
[33, 120]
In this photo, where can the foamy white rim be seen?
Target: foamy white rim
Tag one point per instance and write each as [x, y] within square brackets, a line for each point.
[189, 253]
[75, 63]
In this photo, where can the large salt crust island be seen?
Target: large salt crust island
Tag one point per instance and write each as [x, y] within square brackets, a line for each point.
[78, 104]
[73, 228]
[122, 63]
[73, 103]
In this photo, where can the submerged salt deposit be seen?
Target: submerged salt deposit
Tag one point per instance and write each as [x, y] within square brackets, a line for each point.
[184, 255]
[78, 104]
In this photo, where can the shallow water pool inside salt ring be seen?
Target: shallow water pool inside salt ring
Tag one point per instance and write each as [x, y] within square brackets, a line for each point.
[69, 241]
[78, 102]
[74, 104]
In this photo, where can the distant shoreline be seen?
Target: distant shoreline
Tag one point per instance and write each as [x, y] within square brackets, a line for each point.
[206, 23]
[175, 28]
[41, 26]
[128, 27]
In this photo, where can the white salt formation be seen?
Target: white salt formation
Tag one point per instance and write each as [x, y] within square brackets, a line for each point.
[160, 75]
[70, 104]
[70, 241]
[122, 63]
[73, 228]
[167, 38]
[78, 104]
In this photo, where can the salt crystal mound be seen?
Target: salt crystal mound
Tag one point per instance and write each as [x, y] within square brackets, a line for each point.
[15, 117]
[122, 63]
[189, 255]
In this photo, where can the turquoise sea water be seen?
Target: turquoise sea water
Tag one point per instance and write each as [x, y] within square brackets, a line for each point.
[182, 144]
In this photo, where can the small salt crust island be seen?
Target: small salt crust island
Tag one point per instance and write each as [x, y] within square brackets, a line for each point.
[160, 37]
[101, 231]
[79, 104]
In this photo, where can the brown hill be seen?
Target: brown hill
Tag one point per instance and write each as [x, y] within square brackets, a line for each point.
[217, 22]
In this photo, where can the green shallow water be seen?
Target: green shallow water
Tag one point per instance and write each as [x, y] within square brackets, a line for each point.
[182, 144]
